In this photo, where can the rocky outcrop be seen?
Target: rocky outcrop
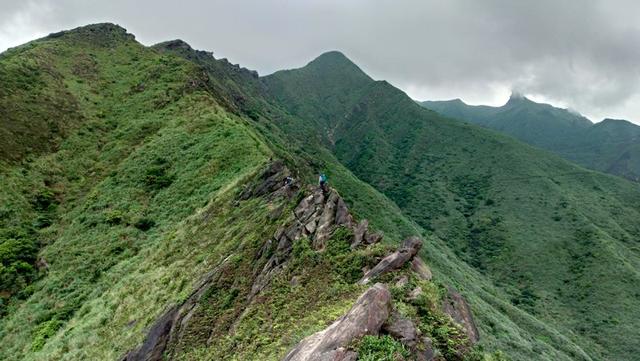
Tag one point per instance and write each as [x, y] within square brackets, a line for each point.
[316, 217]
[169, 325]
[397, 259]
[421, 269]
[362, 236]
[271, 182]
[366, 317]
[402, 329]
[457, 307]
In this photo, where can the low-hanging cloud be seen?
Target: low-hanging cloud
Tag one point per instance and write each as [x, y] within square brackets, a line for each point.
[580, 54]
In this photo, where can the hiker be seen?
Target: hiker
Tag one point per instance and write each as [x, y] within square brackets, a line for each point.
[288, 181]
[322, 181]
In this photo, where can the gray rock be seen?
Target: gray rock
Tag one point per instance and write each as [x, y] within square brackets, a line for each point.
[402, 281]
[341, 354]
[421, 269]
[366, 317]
[372, 238]
[295, 281]
[402, 329]
[326, 223]
[457, 307]
[270, 181]
[427, 352]
[415, 293]
[311, 226]
[395, 260]
[343, 217]
[359, 233]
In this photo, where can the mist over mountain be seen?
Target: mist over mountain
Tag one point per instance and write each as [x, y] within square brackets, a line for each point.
[159, 203]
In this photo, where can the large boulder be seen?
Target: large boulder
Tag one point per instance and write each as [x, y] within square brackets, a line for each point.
[395, 260]
[421, 269]
[402, 329]
[457, 307]
[270, 181]
[359, 232]
[366, 317]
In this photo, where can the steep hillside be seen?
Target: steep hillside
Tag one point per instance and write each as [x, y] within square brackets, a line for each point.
[155, 220]
[558, 239]
[156, 195]
[610, 146]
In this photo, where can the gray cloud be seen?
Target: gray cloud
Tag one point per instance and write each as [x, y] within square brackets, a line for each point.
[581, 54]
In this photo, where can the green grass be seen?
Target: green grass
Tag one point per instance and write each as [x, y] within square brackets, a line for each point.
[134, 161]
[381, 348]
[610, 146]
[546, 237]
[134, 199]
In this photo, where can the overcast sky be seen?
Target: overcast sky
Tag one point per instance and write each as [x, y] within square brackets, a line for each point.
[584, 55]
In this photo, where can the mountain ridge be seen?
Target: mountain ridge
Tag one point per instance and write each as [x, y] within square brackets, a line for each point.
[564, 132]
[164, 184]
[405, 152]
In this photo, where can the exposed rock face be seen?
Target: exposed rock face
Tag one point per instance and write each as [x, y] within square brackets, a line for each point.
[316, 217]
[402, 329]
[359, 233]
[171, 323]
[428, 353]
[156, 341]
[456, 306]
[271, 182]
[366, 317]
[397, 259]
[421, 269]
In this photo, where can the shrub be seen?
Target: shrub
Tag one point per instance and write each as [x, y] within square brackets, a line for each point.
[156, 176]
[43, 332]
[144, 224]
[381, 348]
[114, 217]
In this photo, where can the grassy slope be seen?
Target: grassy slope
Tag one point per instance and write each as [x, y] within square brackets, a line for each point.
[163, 149]
[611, 146]
[141, 203]
[154, 150]
[503, 326]
[560, 241]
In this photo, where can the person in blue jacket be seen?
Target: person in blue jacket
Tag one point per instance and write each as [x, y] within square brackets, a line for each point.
[322, 181]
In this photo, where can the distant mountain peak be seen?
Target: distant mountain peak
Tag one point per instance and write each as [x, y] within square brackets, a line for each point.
[333, 60]
[176, 44]
[334, 65]
[104, 34]
[333, 55]
[518, 98]
[616, 122]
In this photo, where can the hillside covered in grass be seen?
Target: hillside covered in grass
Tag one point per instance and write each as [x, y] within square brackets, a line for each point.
[559, 240]
[122, 216]
[611, 146]
[148, 205]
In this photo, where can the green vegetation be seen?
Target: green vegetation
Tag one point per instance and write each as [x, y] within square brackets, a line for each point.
[130, 196]
[517, 215]
[381, 348]
[123, 198]
[610, 146]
